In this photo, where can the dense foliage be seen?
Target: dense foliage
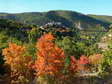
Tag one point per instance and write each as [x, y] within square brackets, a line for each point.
[29, 54]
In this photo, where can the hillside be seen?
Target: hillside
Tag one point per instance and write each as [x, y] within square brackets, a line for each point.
[23, 45]
[104, 18]
[67, 18]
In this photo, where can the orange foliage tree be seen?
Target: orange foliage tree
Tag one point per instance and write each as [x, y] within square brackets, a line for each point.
[15, 56]
[50, 58]
[96, 59]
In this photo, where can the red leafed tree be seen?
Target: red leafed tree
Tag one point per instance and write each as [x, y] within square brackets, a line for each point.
[83, 60]
[82, 63]
[73, 67]
[50, 58]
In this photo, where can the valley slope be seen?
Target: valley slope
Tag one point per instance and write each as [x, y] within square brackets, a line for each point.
[67, 18]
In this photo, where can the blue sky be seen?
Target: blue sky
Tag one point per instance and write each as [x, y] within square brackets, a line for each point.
[100, 7]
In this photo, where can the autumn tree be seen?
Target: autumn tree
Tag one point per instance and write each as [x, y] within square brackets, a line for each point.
[73, 66]
[50, 58]
[19, 63]
[83, 63]
[96, 59]
[76, 66]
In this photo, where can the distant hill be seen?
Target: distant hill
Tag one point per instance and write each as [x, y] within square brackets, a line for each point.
[67, 18]
[104, 18]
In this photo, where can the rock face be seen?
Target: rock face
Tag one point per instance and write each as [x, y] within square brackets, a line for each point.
[79, 26]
